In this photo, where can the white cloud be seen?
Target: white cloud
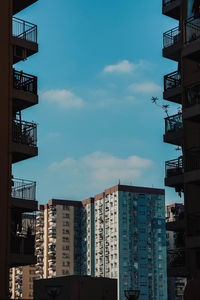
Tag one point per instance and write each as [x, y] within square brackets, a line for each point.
[124, 66]
[145, 87]
[63, 98]
[100, 170]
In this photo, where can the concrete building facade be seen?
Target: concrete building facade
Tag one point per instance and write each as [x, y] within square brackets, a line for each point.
[176, 285]
[117, 234]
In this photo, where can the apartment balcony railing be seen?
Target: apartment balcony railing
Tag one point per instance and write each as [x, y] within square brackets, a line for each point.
[192, 28]
[172, 80]
[176, 257]
[192, 163]
[174, 167]
[24, 82]
[24, 30]
[193, 96]
[25, 133]
[171, 37]
[23, 189]
[173, 123]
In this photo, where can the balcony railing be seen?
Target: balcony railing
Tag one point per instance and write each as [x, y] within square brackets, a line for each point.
[171, 37]
[192, 162]
[25, 133]
[192, 28]
[172, 80]
[23, 189]
[24, 82]
[176, 257]
[193, 96]
[24, 30]
[173, 123]
[166, 2]
[174, 167]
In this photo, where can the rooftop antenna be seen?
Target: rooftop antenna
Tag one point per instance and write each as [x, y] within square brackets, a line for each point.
[119, 182]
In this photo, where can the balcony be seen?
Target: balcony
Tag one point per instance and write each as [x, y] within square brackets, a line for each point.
[176, 263]
[24, 90]
[179, 224]
[192, 168]
[24, 140]
[19, 5]
[172, 87]
[192, 104]
[24, 195]
[174, 130]
[172, 41]
[174, 172]
[22, 250]
[171, 8]
[192, 39]
[24, 39]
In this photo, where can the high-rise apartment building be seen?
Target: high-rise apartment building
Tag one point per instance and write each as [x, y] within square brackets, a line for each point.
[129, 239]
[119, 234]
[175, 240]
[18, 138]
[182, 45]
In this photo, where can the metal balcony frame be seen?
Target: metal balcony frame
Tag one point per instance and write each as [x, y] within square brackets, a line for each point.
[25, 82]
[171, 37]
[24, 30]
[172, 80]
[25, 133]
[23, 189]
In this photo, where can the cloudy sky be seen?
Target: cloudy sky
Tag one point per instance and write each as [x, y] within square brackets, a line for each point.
[98, 66]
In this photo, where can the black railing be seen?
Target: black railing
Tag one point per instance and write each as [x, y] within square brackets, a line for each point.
[192, 29]
[174, 167]
[171, 37]
[25, 133]
[23, 189]
[24, 82]
[172, 80]
[24, 30]
[193, 95]
[166, 2]
[192, 162]
[176, 257]
[173, 123]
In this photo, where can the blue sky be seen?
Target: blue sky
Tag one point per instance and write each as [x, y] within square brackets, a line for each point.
[98, 66]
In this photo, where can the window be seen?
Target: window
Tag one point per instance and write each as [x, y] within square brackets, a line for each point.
[65, 223]
[65, 247]
[65, 207]
[66, 263]
[31, 271]
[65, 272]
[65, 239]
[66, 215]
[65, 255]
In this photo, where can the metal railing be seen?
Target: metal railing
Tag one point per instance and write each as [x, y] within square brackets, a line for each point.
[166, 2]
[24, 30]
[24, 82]
[25, 133]
[172, 80]
[192, 162]
[176, 257]
[193, 96]
[192, 29]
[174, 167]
[23, 189]
[171, 37]
[173, 123]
